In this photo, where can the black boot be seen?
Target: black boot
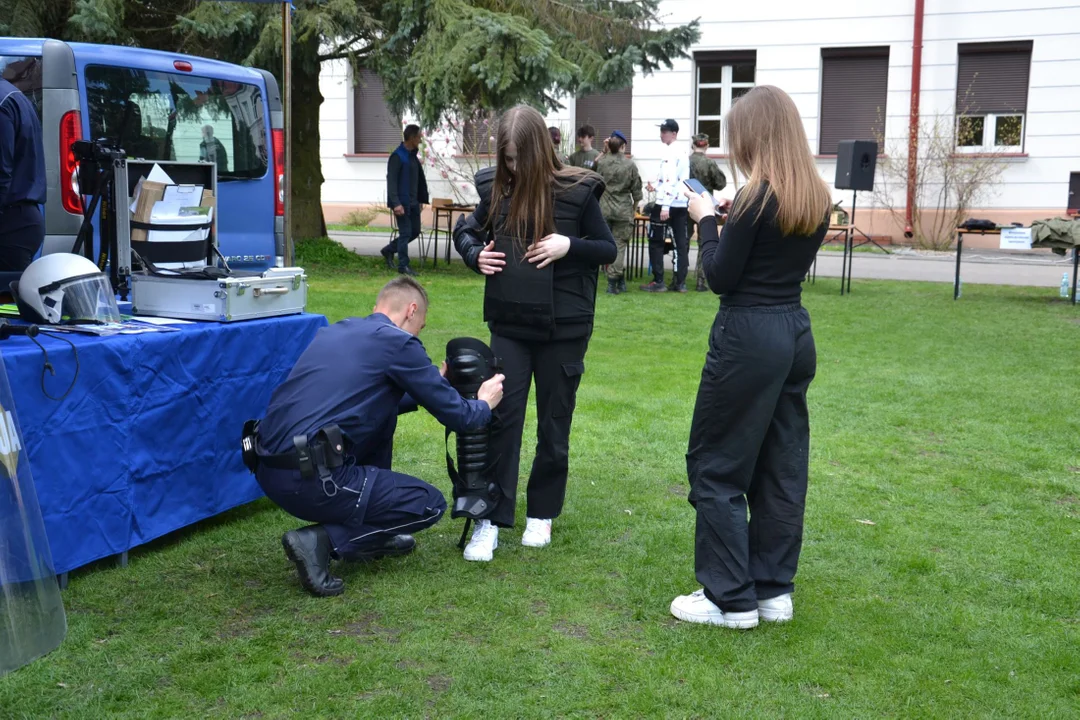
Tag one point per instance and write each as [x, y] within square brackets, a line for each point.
[388, 254]
[622, 284]
[408, 271]
[612, 287]
[701, 286]
[397, 545]
[309, 548]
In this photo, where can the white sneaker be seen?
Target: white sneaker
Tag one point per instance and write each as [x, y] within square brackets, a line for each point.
[777, 609]
[697, 608]
[537, 532]
[485, 539]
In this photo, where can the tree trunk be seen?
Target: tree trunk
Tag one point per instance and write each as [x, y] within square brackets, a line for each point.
[307, 178]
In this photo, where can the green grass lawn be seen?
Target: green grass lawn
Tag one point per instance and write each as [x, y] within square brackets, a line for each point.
[339, 227]
[939, 575]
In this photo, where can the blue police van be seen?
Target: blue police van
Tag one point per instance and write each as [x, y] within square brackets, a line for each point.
[159, 106]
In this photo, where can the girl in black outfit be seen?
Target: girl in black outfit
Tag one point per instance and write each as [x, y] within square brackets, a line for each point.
[750, 435]
[539, 236]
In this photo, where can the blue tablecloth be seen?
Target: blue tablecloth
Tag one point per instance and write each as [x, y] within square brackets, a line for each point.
[148, 440]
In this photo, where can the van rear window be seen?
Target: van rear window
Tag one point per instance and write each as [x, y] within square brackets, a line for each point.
[25, 74]
[170, 116]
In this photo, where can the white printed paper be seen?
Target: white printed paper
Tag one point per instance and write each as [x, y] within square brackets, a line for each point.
[1015, 238]
[159, 176]
[184, 194]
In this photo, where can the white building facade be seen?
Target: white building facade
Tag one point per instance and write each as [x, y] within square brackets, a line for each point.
[1011, 68]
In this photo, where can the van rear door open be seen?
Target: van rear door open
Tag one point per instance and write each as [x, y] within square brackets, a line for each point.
[160, 106]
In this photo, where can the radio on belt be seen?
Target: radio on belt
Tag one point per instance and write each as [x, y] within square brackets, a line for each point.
[278, 291]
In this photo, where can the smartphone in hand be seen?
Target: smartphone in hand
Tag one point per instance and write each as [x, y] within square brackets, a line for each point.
[699, 189]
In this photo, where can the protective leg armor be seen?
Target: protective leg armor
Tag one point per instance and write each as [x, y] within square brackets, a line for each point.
[469, 363]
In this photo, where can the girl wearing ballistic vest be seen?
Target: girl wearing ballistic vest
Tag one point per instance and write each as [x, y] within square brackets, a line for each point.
[750, 434]
[539, 237]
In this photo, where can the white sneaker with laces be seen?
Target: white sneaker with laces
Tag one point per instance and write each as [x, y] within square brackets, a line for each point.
[697, 608]
[537, 532]
[485, 539]
[777, 609]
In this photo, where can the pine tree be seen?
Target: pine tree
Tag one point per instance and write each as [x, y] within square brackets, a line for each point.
[436, 57]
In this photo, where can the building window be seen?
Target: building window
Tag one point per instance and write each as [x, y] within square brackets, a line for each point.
[991, 96]
[722, 78]
[478, 135]
[376, 130]
[854, 87]
[606, 113]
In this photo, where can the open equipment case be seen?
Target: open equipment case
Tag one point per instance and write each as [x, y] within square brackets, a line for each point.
[210, 292]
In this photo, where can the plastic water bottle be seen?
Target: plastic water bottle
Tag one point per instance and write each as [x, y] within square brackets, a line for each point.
[1064, 292]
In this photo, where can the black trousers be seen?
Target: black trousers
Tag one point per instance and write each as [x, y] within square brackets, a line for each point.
[749, 446]
[557, 366]
[409, 227]
[366, 504]
[22, 231]
[677, 219]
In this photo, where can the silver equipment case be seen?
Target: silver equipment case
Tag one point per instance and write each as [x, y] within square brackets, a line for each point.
[278, 291]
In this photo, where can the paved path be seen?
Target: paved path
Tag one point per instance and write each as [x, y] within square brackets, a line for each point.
[1037, 268]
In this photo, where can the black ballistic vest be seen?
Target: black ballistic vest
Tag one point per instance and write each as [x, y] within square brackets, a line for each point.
[555, 302]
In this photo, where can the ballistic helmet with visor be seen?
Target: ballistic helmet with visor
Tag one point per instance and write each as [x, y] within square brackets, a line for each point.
[63, 288]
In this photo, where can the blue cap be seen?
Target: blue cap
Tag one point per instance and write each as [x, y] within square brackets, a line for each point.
[618, 134]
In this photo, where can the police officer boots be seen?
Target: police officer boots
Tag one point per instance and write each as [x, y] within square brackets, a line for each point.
[309, 549]
[622, 284]
[612, 287]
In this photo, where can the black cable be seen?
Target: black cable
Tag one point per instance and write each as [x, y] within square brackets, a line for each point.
[47, 367]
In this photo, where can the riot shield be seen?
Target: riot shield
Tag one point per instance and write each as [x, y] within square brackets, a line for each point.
[32, 619]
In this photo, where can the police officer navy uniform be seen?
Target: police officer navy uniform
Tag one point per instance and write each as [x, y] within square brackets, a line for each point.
[324, 449]
[22, 180]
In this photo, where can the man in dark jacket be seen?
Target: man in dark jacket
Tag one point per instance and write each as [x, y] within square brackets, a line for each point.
[357, 376]
[22, 180]
[406, 193]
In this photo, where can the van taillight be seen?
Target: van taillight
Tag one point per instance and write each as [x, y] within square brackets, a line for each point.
[279, 171]
[70, 131]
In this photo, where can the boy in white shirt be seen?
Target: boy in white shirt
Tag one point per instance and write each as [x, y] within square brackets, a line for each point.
[670, 210]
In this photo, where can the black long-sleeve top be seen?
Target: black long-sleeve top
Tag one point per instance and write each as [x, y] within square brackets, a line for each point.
[752, 262]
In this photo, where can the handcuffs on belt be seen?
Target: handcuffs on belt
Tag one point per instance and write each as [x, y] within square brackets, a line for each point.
[320, 456]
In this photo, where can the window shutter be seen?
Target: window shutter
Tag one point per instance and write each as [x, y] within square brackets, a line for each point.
[993, 78]
[725, 57]
[375, 129]
[854, 88]
[479, 136]
[606, 113]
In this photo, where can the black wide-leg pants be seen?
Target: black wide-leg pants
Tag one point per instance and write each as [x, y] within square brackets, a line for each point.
[749, 448]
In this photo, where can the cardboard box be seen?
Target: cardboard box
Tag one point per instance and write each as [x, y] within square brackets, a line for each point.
[150, 192]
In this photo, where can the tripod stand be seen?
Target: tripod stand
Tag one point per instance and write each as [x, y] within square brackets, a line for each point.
[849, 247]
[104, 172]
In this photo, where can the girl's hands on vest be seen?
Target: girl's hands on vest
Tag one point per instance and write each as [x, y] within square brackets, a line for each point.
[548, 250]
[490, 262]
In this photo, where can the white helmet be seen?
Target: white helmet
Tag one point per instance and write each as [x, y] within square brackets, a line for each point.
[64, 288]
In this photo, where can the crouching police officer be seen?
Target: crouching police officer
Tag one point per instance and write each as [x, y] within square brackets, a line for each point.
[323, 450]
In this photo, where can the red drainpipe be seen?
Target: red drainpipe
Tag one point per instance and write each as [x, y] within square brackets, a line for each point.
[913, 130]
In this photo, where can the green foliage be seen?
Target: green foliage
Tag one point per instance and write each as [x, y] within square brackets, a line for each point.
[457, 56]
[33, 18]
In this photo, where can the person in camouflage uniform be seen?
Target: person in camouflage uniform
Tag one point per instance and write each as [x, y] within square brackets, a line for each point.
[586, 156]
[618, 203]
[712, 177]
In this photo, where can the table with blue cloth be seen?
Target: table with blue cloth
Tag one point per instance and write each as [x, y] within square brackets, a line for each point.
[148, 439]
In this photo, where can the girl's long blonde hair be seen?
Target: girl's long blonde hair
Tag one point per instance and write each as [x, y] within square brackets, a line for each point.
[767, 144]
